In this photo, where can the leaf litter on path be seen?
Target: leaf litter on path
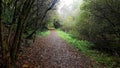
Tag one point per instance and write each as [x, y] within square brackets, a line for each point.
[52, 52]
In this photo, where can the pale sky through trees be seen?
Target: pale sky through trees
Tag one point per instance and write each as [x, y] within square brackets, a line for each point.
[68, 7]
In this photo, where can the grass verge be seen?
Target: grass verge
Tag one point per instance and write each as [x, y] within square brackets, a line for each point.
[84, 47]
[44, 33]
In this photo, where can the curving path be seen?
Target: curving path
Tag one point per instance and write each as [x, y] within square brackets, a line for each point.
[52, 52]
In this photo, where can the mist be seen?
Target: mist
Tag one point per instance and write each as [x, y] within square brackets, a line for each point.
[67, 8]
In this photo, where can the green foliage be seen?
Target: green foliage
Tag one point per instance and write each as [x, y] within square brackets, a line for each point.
[81, 45]
[57, 24]
[85, 47]
[44, 33]
[97, 22]
[20, 20]
[100, 19]
[50, 24]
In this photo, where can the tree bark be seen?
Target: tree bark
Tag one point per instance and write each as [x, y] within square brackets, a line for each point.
[4, 46]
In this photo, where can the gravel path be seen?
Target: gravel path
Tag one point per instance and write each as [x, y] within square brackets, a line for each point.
[52, 52]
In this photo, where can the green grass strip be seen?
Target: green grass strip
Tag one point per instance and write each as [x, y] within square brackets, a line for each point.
[84, 47]
[44, 33]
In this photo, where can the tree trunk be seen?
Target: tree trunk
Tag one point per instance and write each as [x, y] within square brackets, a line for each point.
[5, 51]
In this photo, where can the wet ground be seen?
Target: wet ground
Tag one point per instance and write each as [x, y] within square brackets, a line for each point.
[52, 52]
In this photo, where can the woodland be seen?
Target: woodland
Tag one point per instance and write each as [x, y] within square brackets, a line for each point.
[93, 28]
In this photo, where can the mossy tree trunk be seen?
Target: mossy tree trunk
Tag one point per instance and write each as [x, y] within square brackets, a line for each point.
[15, 15]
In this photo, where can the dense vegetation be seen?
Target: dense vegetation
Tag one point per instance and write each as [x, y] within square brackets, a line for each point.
[94, 29]
[98, 58]
[19, 20]
[98, 22]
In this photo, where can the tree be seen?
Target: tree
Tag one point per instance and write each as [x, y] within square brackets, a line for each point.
[98, 23]
[15, 19]
[56, 24]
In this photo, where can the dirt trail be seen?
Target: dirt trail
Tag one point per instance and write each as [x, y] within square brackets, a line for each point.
[52, 52]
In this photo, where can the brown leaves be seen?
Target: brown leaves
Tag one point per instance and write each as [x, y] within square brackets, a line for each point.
[51, 52]
[25, 66]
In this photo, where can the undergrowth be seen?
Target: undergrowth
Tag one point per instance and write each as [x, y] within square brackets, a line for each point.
[43, 33]
[84, 47]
